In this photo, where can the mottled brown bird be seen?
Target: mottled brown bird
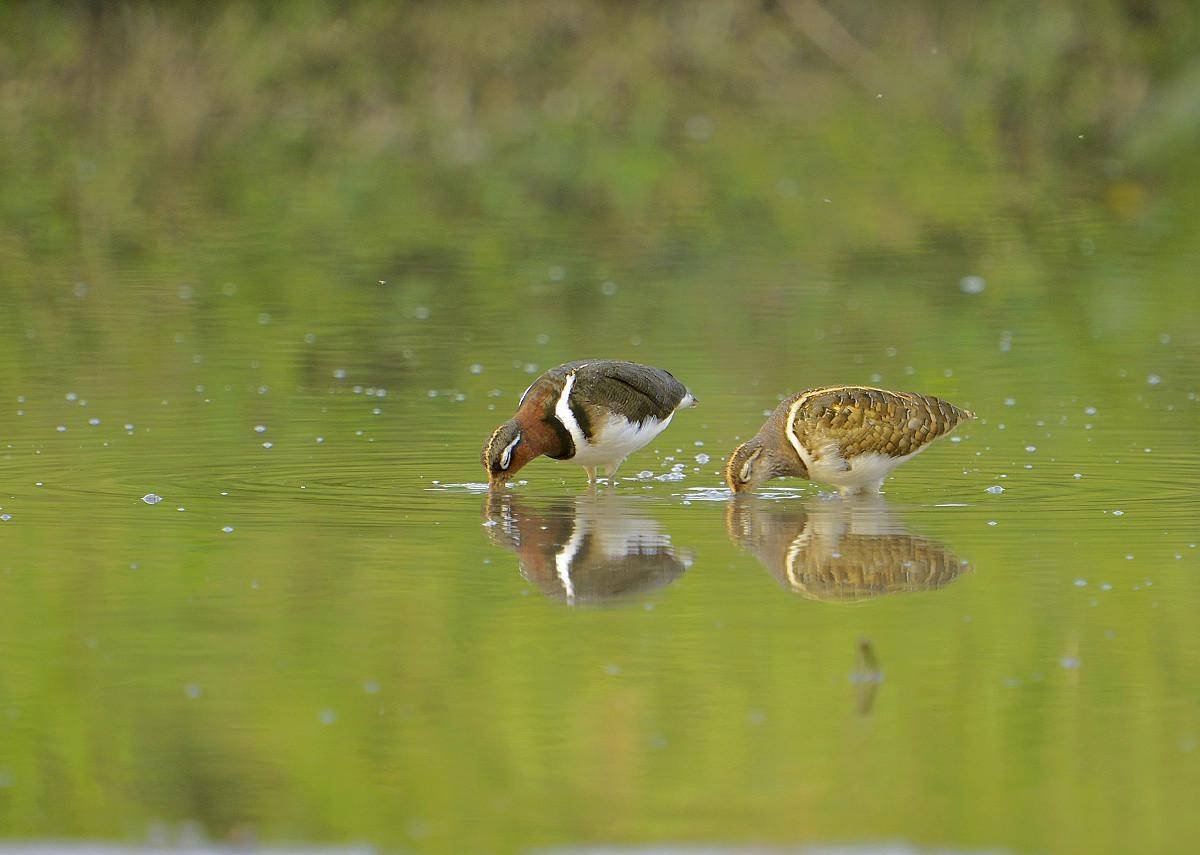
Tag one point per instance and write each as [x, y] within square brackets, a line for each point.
[594, 412]
[850, 437]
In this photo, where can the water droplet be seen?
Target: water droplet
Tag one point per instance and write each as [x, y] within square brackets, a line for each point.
[972, 284]
[227, 529]
[152, 499]
[996, 488]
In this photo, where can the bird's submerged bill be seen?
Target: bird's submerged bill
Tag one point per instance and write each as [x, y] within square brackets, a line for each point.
[850, 437]
[591, 412]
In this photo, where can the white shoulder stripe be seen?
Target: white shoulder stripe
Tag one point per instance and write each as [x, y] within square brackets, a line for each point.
[790, 429]
[562, 412]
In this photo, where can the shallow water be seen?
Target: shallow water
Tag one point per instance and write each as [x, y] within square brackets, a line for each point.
[328, 632]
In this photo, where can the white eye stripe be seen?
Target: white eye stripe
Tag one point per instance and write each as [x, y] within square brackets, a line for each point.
[749, 464]
[506, 455]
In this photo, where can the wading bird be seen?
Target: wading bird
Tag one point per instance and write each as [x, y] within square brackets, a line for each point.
[850, 437]
[593, 412]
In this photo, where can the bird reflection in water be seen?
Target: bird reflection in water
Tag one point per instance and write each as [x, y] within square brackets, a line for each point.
[840, 550]
[596, 548]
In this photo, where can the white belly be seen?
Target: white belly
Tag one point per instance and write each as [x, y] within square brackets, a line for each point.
[615, 440]
[866, 470]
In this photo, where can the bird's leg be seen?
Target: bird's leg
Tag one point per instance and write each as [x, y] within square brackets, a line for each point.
[591, 473]
[610, 471]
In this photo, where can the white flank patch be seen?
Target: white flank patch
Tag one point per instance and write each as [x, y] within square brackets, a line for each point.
[615, 439]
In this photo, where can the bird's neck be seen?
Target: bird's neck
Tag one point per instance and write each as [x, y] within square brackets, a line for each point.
[541, 435]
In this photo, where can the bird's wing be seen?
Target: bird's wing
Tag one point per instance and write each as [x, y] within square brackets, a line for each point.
[637, 392]
[846, 421]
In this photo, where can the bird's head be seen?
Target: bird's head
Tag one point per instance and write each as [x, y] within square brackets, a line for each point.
[506, 451]
[749, 465]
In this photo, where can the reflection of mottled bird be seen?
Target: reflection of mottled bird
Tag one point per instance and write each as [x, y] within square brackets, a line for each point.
[591, 412]
[595, 548]
[840, 551]
[849, 436]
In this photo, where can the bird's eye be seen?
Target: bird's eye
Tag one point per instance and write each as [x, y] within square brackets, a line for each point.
[506, 455]
[744, 474]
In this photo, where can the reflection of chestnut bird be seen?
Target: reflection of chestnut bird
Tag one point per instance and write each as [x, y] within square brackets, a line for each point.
[848, 436]
[590, 550]
[592, 412]
[840, 551]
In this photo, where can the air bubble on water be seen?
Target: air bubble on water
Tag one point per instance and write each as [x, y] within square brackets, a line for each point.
[152, 498]
[327, 717]
[1153, 379]
[992, 522]
[371, 687]
[1031, 448]
[702, 458]
[1010, 402]
[972, 284]
[489, 523]
[5, 517]
[476, 368]
[1129, 557]
[556, 273]
[1069, 662]
[320, 440]
[376, 411]
[1105, 587]
[227, 529]
[1081, 583]
[268, 445]
[260, 428]
[421, 313]
[61, 428]
[432, 393]
[339, 374]
[530, 368]
[1118, 513]
[543, 338]
[995, 488]
[193, 690]
[1077, 475]
[608, 288]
